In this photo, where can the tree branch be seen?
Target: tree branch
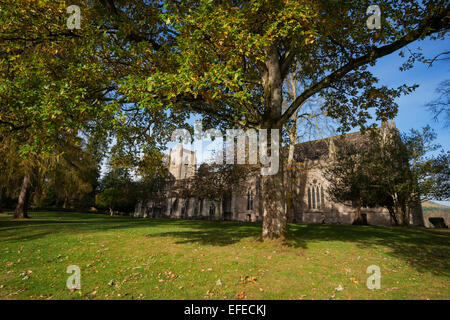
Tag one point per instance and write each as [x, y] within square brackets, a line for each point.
[431, 25]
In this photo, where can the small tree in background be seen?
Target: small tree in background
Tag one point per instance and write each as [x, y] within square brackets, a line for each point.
[390, 170]
[117, 191]
[214, 181]
[350, 177]
[431, 172]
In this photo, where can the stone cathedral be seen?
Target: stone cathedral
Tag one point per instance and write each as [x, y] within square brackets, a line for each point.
[309, 189]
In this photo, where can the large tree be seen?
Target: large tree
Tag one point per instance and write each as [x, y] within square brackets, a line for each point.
[227, 61]
[52, 86]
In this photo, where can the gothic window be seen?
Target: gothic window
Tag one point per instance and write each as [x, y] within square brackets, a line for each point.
[322, 196]
[309, 198]
[250, 200]
[212, 210]
[196, 210]
[174, 206]
[313, 198]
[316, 197]
[185, 207]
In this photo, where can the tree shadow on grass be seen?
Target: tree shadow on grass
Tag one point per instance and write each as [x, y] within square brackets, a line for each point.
[425, 250]
[213, 233]
[202, 231]
[56, 223]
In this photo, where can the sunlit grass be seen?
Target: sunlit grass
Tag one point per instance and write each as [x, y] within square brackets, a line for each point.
[126, 258]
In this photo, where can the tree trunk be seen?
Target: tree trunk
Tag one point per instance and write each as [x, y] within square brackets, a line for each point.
[393, 216]
[290, 176]
[24, 196]
[275, 222]
[405, 215]
[400, 211]
[273, 192]
[358, 220]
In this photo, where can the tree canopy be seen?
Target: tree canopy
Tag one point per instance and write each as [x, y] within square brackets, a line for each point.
[145, 66]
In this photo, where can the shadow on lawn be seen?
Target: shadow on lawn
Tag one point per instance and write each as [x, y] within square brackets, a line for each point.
[425, 250]
[202, 231]
[213, 233]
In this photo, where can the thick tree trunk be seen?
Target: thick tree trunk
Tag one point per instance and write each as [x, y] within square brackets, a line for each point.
[275, 222]
[24, 196]
[273, 192]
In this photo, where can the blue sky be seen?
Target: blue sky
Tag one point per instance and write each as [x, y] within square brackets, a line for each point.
[412, 110]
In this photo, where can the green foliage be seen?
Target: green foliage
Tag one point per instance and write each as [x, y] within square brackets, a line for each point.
[141, 68]
[390, 170]
[430, 169]
[51, 82]
[215, 181]
[117, 191]
[349, 175]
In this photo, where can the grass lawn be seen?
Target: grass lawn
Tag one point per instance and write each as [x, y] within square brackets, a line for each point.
[126, 258]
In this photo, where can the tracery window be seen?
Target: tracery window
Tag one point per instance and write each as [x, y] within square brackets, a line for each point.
[316, 196]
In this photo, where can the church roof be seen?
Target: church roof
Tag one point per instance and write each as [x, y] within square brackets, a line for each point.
[319, 149]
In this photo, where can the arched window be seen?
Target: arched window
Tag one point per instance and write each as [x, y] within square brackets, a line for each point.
[322, 196]
[309, 198]
[313, 198]
[250, 200]
[316, 197]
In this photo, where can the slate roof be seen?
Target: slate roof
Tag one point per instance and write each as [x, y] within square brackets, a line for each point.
[319, 149]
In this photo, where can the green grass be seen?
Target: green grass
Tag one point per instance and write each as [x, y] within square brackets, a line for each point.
[176, 259]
